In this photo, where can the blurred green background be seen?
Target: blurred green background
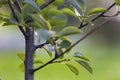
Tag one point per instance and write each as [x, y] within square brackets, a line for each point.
[102, 48]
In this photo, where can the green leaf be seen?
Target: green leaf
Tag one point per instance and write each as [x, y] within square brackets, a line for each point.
[21, 56]
[81, 56]
[75, 5]
[55, 17]
[45, 35]
[96, 10]
[38, 20]
[43, 23]
[70, 31]
[22, 68]
[117, 2]
[49, 53]
[49, 25]
[60, 51]
[78, 5]
[72, 68]
[65, 42]
[85, 65]
[46, 22]
[8, 22]
[68, 11]
[19, 16]
[58, 2]
[38, 62]
[26, 10]
[32, 3]
[57, 22]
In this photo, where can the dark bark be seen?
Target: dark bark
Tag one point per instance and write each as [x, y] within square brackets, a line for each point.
[29, 56]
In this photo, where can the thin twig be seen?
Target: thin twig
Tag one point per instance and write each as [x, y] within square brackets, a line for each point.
[118, 12]
[14, 15]
[82, 38]
[41, 45]
[12, 9]
[46, 4]
[55, 47]
[22, 30]
[97, 17]
[17, 3]
[65, 60]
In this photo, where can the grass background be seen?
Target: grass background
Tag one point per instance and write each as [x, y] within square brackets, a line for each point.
[103, 59]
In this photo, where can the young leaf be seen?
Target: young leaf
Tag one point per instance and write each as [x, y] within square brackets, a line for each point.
[96, 10]
[21, 56]
[68, 11]
[70, 31]
[47, 22]
[117, 2]
[48, 25]
[32, 3]
[81, 56]
[75, 5]
[85, 65]
[65, 44]
[25, 11]
[38, 20]
[19, 16]
[38, 62]
[60, 51]
[45, 34]
[72, 68]
[58, 22]
[8, 22]
[22, 68]
[76, 12]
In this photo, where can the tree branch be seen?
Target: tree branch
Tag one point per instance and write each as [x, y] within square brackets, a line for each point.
[14, 15]
[81, 25]
[114, 15]
[22, 30]
[82, 38]
[12, 9]
[97, 17]
[17, 3]
[46, 4]
[41, 45]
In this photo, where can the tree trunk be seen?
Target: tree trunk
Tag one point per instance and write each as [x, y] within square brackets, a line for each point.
[29, 56]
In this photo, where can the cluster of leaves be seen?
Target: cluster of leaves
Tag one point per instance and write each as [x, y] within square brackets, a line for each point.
[77, 57]
[47, 20]
[55, 16]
